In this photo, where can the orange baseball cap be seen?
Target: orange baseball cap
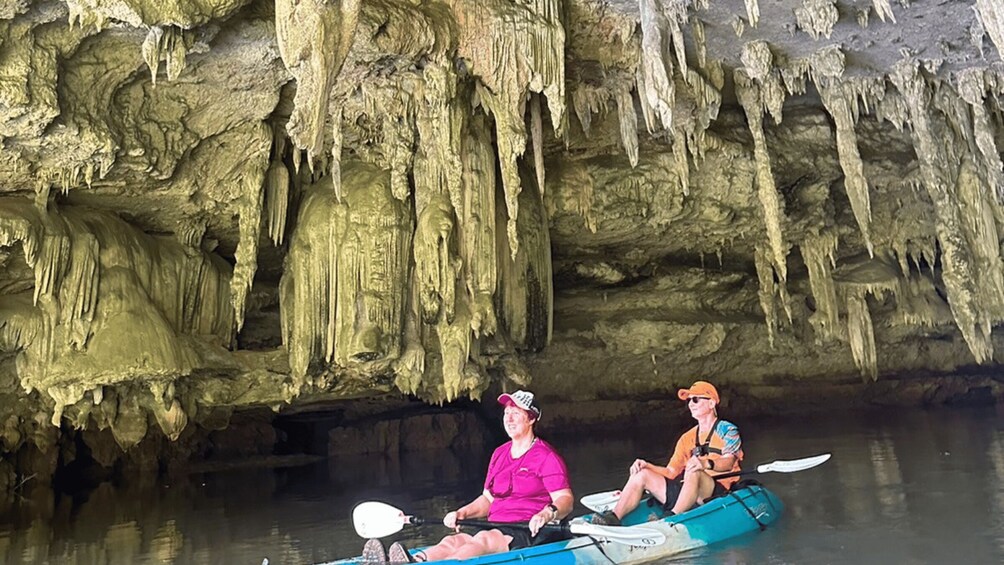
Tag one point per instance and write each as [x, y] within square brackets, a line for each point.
[699, 388]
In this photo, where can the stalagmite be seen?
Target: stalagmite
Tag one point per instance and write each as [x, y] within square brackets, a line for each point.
[749, 98]
[991, 13]
[314, 39]
[956, 259]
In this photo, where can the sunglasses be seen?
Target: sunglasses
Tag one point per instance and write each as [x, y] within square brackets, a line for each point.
[696, 399]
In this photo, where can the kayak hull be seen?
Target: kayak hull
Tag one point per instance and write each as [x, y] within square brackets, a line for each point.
[742, 511]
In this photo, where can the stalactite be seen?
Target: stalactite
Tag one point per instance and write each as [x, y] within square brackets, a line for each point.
[455, 349]
[511, 57]
[314, 40]
[628, 124]
[992, 15]
[749, 98]
[675, 12]
[151, 51]
[336, 152]
[980, 229]
[956, 260]
[838, 101]
[765, 292]
[277, 200]
[342, 294]
[526, 294]
[752, 12]
[854, 282]
[410, 366]
[817, 17]
[861, 335]
[884, 10]
[477, 225]
[656, 86]
[79, 291]
[165, 43]
[972, 87]
[681, 161]
[818, 251]
[700, 43]
[252, 188]
[537, 136]
[758, 62]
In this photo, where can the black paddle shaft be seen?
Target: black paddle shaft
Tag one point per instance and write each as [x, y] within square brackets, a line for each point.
[484, 524]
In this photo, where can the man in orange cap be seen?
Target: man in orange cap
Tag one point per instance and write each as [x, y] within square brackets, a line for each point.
[712, 447]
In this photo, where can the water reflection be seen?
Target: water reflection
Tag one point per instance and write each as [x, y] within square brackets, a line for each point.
[909, 486]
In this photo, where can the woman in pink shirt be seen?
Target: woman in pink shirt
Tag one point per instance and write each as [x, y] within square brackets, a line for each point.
[527, 482]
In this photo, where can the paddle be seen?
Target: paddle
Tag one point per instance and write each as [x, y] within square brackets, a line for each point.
[602, 501]
[377, 520]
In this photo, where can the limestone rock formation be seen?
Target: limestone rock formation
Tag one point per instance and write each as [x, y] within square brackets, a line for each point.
[223, 204]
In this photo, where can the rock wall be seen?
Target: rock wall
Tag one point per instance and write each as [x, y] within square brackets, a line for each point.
[230, 205]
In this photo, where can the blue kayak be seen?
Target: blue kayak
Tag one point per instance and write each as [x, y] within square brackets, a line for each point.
[744, 510]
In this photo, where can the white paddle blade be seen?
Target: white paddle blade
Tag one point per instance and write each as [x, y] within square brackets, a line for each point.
[377, 520]
[793, 465]
[601, 501]
[629, 535]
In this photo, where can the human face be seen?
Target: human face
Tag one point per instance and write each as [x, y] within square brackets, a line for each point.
[516, 421]
[700, 406]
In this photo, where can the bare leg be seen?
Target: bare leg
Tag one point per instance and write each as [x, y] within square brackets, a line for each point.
[446, 547]
[485, 542]
[463, 546]
[637, 484]
[696, 486]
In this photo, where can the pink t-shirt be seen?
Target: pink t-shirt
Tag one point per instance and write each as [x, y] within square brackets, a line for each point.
[521, 487]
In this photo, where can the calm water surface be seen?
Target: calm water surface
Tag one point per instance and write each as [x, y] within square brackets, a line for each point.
[902, 487]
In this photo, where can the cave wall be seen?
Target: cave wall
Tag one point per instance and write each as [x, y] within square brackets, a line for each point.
[226, 205]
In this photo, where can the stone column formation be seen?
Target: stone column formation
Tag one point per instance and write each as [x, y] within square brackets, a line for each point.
[383, 144]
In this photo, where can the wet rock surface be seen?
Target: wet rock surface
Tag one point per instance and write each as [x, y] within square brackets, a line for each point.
[212, 208]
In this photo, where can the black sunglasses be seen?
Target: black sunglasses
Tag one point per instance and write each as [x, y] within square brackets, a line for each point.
[696, 399]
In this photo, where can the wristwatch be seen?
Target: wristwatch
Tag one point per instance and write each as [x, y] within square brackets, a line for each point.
[554, 511]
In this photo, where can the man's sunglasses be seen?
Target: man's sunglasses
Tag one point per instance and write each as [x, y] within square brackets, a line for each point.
[696, 399]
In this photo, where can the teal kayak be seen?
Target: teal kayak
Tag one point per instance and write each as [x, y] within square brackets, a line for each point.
[741, 511]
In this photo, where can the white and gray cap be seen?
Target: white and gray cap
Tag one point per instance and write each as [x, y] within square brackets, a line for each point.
[522, 399]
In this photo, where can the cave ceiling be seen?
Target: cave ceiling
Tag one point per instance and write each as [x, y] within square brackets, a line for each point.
[226, 203]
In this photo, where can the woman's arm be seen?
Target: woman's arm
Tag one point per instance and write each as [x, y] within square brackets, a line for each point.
[561, 505]
[477, 508]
